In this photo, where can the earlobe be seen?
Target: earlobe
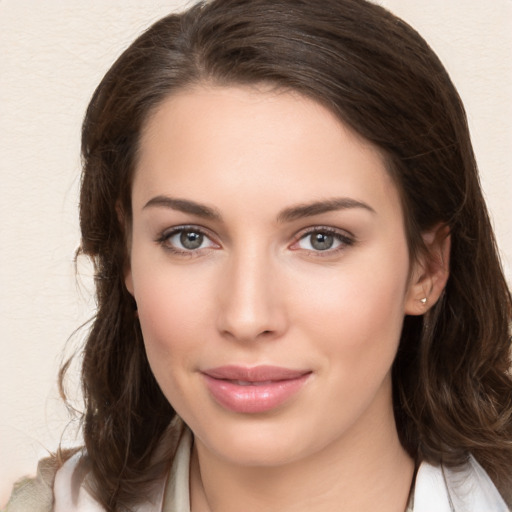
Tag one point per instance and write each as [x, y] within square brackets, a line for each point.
[128, 281]
[430, 271]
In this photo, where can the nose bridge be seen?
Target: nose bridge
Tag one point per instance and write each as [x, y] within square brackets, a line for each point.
[250, 305]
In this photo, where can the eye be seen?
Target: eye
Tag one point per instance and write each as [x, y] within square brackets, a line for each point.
[189, 240]
[186, 240]
[323, 240]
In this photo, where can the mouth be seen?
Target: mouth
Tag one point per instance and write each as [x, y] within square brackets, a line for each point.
[254, 390]
[251, 383]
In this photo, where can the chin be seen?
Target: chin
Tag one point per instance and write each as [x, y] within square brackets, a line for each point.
[256, 442]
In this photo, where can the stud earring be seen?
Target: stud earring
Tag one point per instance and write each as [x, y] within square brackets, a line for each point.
[424, 300]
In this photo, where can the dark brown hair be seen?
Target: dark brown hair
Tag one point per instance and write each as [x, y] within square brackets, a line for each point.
[452, 386]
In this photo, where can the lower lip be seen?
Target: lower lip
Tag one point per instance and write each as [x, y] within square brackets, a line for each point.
[253, 399]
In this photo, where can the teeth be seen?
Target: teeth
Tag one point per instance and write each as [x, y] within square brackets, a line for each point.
[248, 383]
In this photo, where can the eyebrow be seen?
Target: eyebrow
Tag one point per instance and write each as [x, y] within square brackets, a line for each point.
[185, 206]
[319, 207]
[287, 215]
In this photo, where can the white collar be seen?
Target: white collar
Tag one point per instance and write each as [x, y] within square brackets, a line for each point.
[468, 489]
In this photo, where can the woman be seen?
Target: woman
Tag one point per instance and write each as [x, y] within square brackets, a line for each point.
[300, 304]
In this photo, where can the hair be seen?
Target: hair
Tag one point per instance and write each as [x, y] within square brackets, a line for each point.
[452, 388]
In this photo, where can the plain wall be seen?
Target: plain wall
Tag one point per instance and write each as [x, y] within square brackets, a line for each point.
[52, 55]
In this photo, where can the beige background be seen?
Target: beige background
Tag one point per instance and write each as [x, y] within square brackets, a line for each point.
[52, 54]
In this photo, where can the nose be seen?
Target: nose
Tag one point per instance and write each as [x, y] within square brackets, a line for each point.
[251, 301]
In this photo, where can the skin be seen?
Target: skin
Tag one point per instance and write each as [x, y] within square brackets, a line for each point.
[256, 291]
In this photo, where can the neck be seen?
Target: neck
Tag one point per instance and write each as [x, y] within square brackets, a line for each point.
[359, 472]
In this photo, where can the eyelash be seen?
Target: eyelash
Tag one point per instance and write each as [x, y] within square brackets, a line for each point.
[345, 240]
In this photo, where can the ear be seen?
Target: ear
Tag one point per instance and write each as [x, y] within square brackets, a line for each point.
[429, 272]
[128, 279]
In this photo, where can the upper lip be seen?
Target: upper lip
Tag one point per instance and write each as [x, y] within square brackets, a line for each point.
[261, 373]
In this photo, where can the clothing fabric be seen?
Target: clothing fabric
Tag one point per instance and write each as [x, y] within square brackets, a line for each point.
[436, 489]
[34, 494]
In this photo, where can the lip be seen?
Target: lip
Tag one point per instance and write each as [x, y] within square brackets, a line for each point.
[253, 390]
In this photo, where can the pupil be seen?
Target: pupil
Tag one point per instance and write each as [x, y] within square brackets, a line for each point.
[191, 239]
[321, 241]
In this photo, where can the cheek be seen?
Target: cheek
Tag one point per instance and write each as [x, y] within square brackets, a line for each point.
[355, 311]
[171, 321]
[173, 311]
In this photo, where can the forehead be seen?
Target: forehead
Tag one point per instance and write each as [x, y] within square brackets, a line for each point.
[252, 144]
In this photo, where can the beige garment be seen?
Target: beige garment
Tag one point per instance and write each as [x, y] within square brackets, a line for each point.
[35, 494]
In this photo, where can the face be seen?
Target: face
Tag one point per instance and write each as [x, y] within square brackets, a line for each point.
[270, 269]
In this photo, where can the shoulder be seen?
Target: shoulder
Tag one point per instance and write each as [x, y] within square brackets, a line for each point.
[56, 487]
[65, 487]
[468, 488]
[35, 494]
